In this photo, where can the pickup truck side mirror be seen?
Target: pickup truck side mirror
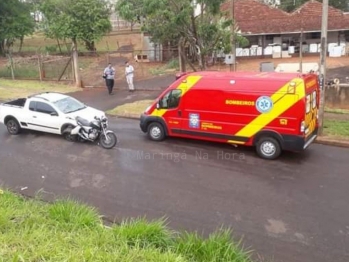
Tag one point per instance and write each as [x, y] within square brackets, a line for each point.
[54, 114]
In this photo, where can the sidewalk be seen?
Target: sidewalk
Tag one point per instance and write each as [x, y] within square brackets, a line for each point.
[100, 99]
[150, 84]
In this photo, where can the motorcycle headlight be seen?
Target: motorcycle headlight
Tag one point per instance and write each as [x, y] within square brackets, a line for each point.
[105, 123]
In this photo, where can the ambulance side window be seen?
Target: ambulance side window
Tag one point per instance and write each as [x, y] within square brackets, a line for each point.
[314, 99]
[171, 99]
[308, 104]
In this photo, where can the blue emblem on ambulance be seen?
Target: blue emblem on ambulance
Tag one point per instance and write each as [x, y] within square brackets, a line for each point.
[194, 120]
[264, 104]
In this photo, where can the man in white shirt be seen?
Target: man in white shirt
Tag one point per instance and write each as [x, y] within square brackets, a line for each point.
[109, 74]
[129, 76]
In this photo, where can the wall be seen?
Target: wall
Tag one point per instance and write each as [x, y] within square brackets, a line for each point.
[153, 52]
[293, 40]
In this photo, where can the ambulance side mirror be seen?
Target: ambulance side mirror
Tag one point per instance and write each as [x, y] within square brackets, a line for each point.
[157, 106]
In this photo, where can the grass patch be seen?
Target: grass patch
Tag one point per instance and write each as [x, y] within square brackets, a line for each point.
[134, 109]
[171, 66]
[12, 89]
[336, 128]
[66, 230]
[111, 42]
[336, 110]
[29, 72]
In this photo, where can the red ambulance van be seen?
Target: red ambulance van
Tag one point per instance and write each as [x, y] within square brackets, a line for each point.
[270, 111]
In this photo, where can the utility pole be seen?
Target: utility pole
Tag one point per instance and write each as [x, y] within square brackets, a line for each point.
[323, 55]
[301, 53]
[233, 33]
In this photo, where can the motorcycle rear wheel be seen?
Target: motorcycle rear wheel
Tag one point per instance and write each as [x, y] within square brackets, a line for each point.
[108, 144]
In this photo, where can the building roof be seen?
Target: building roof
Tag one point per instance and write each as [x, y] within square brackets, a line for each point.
[256, 18]
[310, 13]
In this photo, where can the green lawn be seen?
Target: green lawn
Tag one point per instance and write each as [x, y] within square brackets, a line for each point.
[336, 110]
[65, 230]
[336, 128]
[11, 89]
[112, 41]
[134, 109]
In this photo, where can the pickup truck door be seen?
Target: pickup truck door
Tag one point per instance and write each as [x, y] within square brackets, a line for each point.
[43, 117]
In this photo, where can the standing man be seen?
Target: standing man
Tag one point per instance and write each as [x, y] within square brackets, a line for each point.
[109, 74]
[129, 76]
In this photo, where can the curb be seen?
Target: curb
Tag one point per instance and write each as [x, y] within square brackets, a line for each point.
[330, 142]
[125, 116]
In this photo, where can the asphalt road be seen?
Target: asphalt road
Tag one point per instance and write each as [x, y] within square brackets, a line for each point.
[294, 209]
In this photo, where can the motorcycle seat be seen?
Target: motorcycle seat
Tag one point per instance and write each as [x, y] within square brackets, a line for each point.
[82, 121]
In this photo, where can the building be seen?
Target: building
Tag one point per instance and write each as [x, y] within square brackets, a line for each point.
[273, 32]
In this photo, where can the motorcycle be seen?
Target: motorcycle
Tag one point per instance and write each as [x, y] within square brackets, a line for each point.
[93, 131]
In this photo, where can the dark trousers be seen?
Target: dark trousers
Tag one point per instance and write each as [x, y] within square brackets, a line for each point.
[110, 85]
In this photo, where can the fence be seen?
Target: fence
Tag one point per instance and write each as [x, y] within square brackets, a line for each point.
[57, 66]
[34, 67]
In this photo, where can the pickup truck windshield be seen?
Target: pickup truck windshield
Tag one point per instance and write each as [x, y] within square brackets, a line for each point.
[69, 105]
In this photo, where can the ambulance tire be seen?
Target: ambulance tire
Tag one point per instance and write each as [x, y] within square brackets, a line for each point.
[268, 148]
[156, 131]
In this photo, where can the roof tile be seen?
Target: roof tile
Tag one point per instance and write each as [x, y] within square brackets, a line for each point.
[254, 17]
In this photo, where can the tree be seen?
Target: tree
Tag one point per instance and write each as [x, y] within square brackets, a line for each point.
[78, 20]
[15, 22]
[130, 11]
[204, 32]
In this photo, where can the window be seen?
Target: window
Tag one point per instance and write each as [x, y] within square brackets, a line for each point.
[69, 105]
[314, 35]
[314, 99]
[308, 104]
[44, 108]
[32, 106]
[171, 99]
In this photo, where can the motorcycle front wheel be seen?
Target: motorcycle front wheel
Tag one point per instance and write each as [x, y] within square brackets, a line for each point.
[67, 136]
[108, 141]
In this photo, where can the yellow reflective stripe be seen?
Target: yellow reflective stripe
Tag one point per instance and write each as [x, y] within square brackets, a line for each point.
[186, 84]
[235, 142]
[158, 112]
[281, 102]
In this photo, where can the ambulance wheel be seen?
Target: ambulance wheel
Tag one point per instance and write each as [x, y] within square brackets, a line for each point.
[268, 148]
[156, 132]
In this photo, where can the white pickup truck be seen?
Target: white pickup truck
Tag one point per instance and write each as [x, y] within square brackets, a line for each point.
[46, 112]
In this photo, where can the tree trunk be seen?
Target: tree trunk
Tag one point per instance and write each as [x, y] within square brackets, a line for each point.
[192, 66]
[76, 63]
[182, 67]
[90, 46]
[2, 47]
[21, 44]
[59, 46]
[202, 61]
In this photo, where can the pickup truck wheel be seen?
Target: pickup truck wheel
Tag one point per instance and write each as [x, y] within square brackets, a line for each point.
[268, 148]
[156, 131]
[13, 127]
